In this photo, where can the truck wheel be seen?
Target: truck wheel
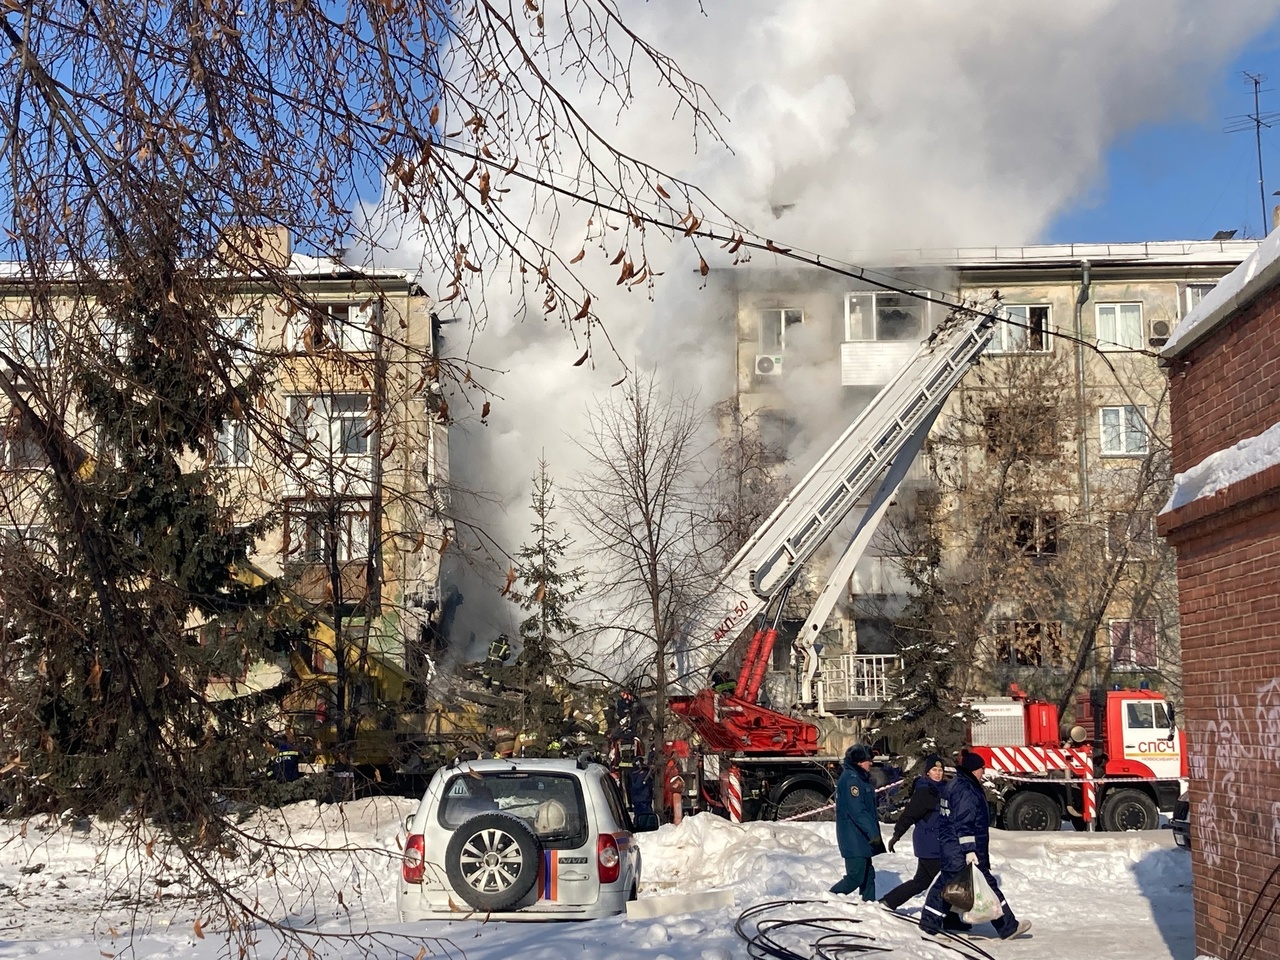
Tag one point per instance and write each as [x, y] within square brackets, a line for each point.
[801, 801]
[1129, 810]
[1028, 810]
[492, 861]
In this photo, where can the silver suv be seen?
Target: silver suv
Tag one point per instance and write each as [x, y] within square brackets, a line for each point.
[519, 839]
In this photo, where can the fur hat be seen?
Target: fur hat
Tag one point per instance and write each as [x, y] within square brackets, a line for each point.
[858, 753]
[972, 762]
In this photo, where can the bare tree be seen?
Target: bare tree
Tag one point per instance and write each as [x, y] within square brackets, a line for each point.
[642, 499]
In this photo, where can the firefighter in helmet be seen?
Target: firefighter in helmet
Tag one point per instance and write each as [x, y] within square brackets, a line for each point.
[499, 650]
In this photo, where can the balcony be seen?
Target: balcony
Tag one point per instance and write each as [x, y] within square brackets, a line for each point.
[859, 683]
[348, 477]
[873, 363]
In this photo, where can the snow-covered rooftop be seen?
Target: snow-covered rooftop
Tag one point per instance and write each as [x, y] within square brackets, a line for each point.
[1171, 252]
[1257, 274]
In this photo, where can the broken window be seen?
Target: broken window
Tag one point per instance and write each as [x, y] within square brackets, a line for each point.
[1119, 326]
[1025, 329]
[1030, 643]
[1035, 533]
[1021, 433]
[885, 316]
[346, 327]
[773, 327]
[307, 537]
[1124, 431]
[1133, 644]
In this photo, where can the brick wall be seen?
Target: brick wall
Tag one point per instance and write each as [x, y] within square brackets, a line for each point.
[1227, 387]
[1228, 571]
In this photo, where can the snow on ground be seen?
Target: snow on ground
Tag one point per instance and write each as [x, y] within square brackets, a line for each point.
[73, 892]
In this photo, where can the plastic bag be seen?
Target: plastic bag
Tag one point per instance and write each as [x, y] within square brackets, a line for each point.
[986, 905]
[959, 890]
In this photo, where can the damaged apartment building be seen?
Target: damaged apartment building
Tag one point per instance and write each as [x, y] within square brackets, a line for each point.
[345, 449]
[1030, 512]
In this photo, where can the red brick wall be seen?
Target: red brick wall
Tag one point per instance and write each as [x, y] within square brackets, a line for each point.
[1227, 388]
[1228, 578]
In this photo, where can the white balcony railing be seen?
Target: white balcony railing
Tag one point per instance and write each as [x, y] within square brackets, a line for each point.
[852, 677]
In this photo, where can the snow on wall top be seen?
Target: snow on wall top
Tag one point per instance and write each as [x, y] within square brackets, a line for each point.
[1221, 469]
[1258, 273]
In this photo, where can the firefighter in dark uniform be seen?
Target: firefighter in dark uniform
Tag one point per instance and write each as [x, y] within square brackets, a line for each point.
[964, 836]
[499, 650]
[857, 827]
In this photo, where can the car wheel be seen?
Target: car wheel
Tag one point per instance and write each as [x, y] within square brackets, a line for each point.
[1129, 810]
[1029, 810]
[492, 861]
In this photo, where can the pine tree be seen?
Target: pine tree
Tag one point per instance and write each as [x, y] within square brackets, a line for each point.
[546, 592]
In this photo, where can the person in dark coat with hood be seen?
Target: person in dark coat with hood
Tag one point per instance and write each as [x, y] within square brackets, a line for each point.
[921, 812]
[964, 838]
[857, 827]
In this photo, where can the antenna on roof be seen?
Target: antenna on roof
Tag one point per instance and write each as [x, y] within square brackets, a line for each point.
[1257, 120]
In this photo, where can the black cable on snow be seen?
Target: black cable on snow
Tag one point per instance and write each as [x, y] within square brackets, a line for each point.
[835, 940]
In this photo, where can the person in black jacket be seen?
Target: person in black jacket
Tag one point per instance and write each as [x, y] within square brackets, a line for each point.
[964, 838]
[857, 827]
[921, 812]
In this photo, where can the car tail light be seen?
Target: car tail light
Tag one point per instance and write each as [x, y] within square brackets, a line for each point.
[414, 863]
[608, 859]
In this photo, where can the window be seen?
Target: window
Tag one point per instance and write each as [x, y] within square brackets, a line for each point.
[240, 334]
[1035, 533]
[19, 449]
[1025, 331]
[306, 537]
[885, 316]
[1030, 643]
[21, 339]
[330, 426]
[347, 327]
[1021, 433]
[1131, 535]
[1119, 326]
[773, 327]
[1133, 644]
[233, 444]
[1124, 431]
[1195, 293]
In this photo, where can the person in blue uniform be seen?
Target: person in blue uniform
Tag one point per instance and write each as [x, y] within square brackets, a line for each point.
[963, 839]
[857, 828]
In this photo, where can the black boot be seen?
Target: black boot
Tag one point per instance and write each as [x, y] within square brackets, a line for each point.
[952, 922]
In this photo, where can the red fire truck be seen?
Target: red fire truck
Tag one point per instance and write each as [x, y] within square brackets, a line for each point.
[1122, 763]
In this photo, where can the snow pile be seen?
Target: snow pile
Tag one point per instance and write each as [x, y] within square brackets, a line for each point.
[1220, 470]
[81, 893]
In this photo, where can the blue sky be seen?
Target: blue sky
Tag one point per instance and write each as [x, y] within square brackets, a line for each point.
[1187, 179]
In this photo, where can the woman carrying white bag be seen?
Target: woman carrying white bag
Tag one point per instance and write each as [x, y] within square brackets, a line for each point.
[964, 834]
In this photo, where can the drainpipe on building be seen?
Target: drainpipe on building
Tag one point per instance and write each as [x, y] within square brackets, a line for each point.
[1082, 443]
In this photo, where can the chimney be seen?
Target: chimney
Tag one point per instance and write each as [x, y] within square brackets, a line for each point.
[255, 248]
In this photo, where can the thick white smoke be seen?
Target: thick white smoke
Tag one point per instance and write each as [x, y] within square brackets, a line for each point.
[880, 126]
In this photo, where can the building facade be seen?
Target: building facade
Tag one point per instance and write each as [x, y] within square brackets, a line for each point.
[342, 453]
[1038, 489]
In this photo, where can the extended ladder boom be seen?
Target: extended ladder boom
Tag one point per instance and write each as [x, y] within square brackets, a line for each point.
[857, 465]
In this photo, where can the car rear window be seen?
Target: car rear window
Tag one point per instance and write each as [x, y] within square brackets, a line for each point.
[552, 804]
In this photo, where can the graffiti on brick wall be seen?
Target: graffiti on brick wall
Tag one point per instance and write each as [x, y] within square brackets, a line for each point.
[1237, 743]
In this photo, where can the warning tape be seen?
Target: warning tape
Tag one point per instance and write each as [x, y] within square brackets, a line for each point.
[831, 806]
[1007, 776]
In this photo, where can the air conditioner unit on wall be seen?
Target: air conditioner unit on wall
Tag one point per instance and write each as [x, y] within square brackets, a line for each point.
[768, 365]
